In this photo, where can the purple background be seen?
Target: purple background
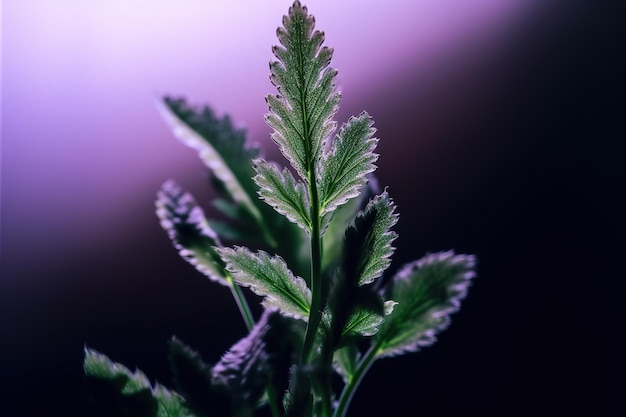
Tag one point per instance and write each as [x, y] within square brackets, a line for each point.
[501, 134]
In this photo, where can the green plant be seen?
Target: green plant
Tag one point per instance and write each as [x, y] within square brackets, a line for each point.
[318, 243]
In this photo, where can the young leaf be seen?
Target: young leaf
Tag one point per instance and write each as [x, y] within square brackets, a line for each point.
[189, 230]
[341, 218]
[281, 191]
[117, 390]
[353, 312]
[348, 162]
[368, 240]
[345, 362]
[365, 320]
[271, 278]
[221, 146]
[301, 114]
[428, 291]
[229, 158]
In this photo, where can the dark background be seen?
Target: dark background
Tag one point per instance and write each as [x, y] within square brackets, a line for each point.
[516, 155]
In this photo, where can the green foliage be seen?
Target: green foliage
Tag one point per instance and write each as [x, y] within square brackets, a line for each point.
[345, 166]
[271, 278]
[301, 114]
[314, 240]
[189, 230]
[368, 242]
[120, 392]
[282, 191]
[428, 291]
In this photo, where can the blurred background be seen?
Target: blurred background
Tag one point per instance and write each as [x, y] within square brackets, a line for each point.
[501, 129]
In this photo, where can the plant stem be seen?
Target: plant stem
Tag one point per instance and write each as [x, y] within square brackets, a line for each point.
[270, 390]
[315, 314]
[242, 304]
[348, 391]
[248, 319]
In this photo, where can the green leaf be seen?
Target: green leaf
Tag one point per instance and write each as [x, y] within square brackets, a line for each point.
[368, 240]
[99, 365]
[269, 277]
[222, 147]
[170, 404]
[428, 291]
[353, 311]
[365, 321]
[345, 362]
[117, 390]
[301, 114]
[346, 165]
[281, 191]
[190, 232]
[339, 221]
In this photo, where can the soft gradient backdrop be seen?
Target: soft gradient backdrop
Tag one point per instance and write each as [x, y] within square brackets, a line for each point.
[501, 134]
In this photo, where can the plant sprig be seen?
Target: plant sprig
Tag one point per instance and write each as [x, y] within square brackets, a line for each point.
[314, 239]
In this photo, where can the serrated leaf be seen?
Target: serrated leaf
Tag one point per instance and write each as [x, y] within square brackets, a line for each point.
[301, 114]
[98, 365]
[269, 277]
[340, 219]
[346, 165]
[428, 291]
[283, 192]
[353, 311]
[363, 322]
[170, 404]
[221, 146]
[368, 241]
[366, 318]
[119, 391]
[247, 368]
[189, 230]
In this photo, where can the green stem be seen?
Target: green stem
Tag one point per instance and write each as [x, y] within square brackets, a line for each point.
[242, 304]
[270, 390]
[315, 314]
[326, 366]
[244, 309]
[348, 391]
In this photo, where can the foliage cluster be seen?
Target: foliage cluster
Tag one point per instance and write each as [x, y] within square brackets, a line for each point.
[315, 248]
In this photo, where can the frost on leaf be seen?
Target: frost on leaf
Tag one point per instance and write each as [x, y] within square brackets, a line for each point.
[301, 114]
[283, 192]
[347, 163]
[269, 277]
[428, 291]
[189, 230]
[368, 247]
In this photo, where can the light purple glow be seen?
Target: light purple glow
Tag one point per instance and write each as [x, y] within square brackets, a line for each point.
[82, 141]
